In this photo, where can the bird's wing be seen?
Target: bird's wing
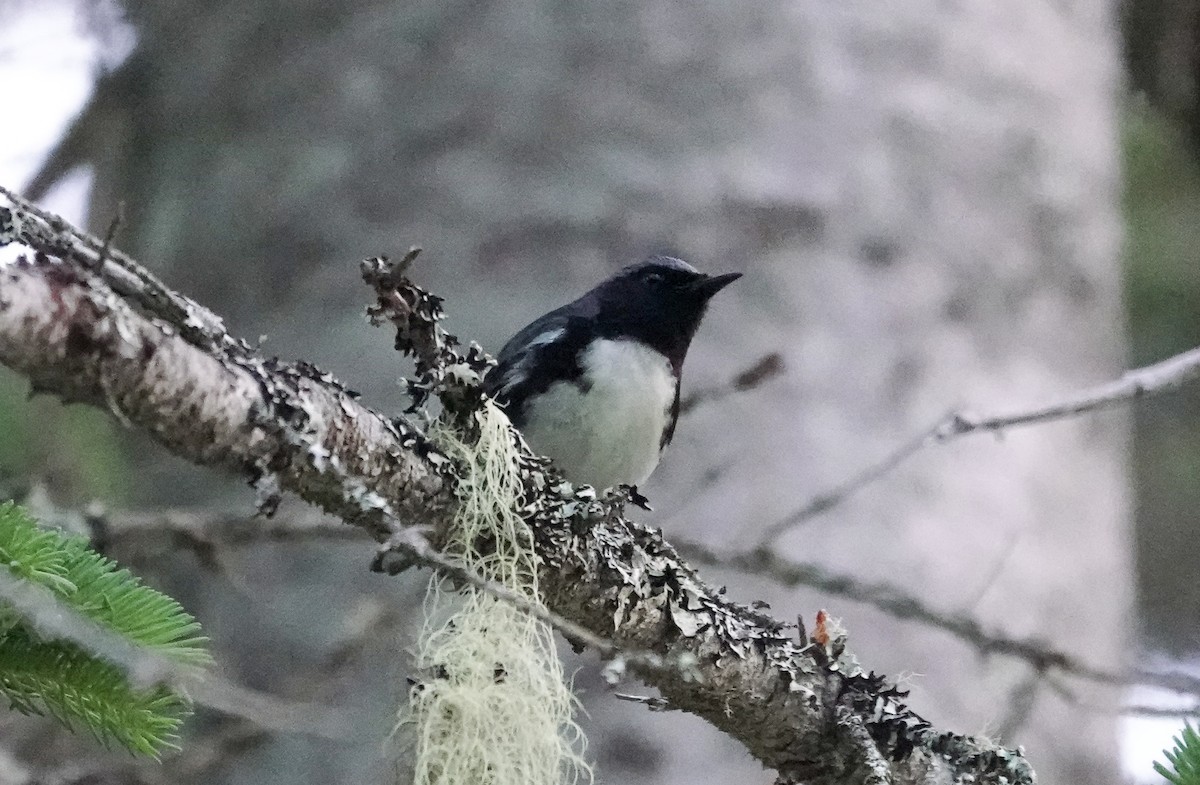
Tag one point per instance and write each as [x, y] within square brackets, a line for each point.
[550, 345]
[672, 419]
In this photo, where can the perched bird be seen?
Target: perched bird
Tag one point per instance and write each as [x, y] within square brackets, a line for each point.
[594, 384]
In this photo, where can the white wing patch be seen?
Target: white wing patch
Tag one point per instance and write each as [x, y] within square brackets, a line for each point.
[519, 370]
[606, 428]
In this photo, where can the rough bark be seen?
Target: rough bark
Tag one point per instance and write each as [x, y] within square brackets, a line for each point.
[803, 708]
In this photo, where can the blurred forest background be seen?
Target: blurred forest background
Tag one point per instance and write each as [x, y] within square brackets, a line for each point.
[935, 203]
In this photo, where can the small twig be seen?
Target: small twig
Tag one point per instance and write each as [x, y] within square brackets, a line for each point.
[1021, 700]
[1135, 710]
[409, 540]
[649, 701]
[826, 501]
[762, 370]
[1161, 377]
[1150, 380]
[896, 602]
[113, 227]
[994, 573]
[412, 542]
[1072, 698]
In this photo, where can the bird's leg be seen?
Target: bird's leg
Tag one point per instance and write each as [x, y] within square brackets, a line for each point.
[628, 494]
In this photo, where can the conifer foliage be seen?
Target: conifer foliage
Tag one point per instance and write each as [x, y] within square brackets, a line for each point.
[1184, 758]
[43, 675]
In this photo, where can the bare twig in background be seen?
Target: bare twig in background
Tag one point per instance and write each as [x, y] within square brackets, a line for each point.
[1161, 377]
[762, 370]
[201, 531]
[993, 574]
[1183, 712]
[114, 226]
[896, 602]
[826, 501]
[1021, 700]
[1150, 380]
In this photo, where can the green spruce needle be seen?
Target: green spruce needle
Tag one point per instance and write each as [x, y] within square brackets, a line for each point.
[59, 678]
[1184, 758]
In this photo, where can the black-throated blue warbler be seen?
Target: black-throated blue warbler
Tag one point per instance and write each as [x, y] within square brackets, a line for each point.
[594, 384]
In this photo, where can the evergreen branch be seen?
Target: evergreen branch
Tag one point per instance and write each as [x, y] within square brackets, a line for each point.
[41, 673]
[64, 681]
[161, 649]
[98, 588]
[1184, 758]
[52, 619]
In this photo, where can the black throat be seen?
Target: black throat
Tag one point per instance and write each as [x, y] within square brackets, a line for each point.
[665, 326]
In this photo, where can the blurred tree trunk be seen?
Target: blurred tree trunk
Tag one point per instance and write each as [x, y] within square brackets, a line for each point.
[922, 196]
[1162, 52]
[1162, 56]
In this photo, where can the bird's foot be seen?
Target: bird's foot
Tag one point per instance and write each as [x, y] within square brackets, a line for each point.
[632, 495]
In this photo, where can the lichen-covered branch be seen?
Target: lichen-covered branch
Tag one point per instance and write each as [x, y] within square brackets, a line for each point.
[801, 707]
[207, 533]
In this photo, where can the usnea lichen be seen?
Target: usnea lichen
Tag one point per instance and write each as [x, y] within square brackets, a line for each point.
[490, 704]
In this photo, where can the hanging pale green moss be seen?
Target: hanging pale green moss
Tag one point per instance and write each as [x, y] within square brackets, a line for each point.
[39, 675]
[491, 704]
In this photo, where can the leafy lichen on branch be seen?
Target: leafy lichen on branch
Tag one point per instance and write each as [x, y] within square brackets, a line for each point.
[649, 599]
[621, 581]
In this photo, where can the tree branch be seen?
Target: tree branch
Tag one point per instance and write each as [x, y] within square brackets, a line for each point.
[213, 400]
[1162, 377]
[896, 602]
[206, 532]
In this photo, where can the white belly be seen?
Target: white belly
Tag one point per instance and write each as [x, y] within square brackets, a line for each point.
[607, 428]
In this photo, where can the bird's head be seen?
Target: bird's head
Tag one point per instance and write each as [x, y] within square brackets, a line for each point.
[660, 301]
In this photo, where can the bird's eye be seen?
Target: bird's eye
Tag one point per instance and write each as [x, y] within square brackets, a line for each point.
[654, 278]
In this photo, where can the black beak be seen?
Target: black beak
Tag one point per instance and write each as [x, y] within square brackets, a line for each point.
[709, 285]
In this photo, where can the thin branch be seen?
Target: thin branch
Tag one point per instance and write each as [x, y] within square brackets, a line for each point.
[1165, 376]
[757, 373]
[203, 531]
[651, 702]
[1150, 380]
[1137, 710]
[823, 502]
[898, 603]
[1019, 706]
[411, 541]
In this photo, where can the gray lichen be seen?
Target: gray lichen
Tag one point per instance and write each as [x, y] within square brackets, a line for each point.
[102, 331]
